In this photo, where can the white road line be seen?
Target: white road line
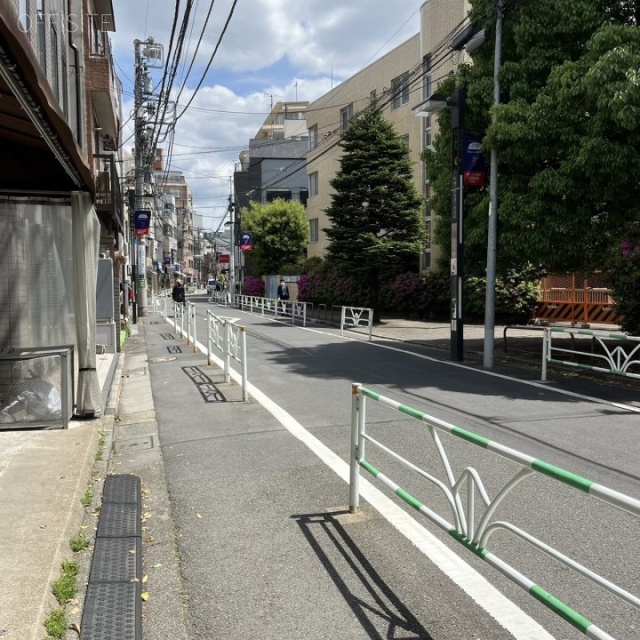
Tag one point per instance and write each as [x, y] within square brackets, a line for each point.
[507, 614]
[531, 383]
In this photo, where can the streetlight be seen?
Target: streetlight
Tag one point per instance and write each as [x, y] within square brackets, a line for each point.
[432, 105]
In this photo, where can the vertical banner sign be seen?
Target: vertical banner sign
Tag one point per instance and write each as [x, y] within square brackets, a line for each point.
[474, 170]
[246, 241]
[142, 265]
[142, 220]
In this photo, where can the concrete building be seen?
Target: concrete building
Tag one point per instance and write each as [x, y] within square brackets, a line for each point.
[54, 109]
[398, 81]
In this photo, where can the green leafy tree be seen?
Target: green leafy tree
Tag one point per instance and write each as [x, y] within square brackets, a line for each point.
[280, 234]
[567, 132]
[377, 224]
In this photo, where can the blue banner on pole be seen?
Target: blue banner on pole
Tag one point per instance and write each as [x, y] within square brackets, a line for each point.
[141, 221]
[246, 241]
[474, 170]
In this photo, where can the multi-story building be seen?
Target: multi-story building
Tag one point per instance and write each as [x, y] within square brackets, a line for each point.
[397, 82]
[174, 184]
[48, 223]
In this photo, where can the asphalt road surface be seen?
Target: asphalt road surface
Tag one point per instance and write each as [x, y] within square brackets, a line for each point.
[259, 493]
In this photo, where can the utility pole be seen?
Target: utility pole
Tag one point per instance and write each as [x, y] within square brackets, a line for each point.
[490, 297]
[143, 58]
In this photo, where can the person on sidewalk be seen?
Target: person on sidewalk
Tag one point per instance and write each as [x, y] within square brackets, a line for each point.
[178, 293]
[283, 294]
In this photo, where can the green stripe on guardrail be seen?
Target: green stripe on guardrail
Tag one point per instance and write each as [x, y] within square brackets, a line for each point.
[481, 552]
[559, 607]
[371, 394]
[409, 499]
[414, 413]
[573, 480]
[370, 468]
[470, 437]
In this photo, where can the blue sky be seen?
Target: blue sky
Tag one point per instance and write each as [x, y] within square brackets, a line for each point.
[279, 50]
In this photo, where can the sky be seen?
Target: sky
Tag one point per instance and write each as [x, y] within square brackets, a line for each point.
[271, 51]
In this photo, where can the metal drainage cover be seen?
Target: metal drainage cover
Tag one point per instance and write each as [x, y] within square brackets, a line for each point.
[162, 359]
[134, 444]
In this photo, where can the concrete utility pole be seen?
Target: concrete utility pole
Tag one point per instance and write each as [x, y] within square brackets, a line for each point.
[138, 265]
[490, 295]
[150, 55]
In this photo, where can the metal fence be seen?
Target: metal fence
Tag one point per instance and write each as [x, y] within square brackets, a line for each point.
[473, 530]
[611, 359]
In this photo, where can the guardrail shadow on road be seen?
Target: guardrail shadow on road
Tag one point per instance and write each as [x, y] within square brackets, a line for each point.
[377, 608]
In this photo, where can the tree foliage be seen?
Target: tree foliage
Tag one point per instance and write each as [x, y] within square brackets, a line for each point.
[377, 223]
[280, 234]
[567, 133]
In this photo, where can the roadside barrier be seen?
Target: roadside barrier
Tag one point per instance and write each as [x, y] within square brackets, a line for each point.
[618, 361]
[278, 308]
[220, 297]
[356, 317]
[474, 532]
[191, 325]
[231, 340]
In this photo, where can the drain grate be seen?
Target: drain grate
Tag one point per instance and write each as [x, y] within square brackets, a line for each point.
[174, 349]
[112, 607]
[116, 560]
[112, 610]
[167, 336]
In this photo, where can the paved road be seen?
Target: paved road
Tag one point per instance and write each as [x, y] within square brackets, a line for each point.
[259, 496]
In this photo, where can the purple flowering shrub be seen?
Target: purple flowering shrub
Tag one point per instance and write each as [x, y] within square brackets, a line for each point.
[253, 286]
[624, 276]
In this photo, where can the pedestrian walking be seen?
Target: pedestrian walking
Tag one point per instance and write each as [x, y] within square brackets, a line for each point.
[178, 293]
[283, 294]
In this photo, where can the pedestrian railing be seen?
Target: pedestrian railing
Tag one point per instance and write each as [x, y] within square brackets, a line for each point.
[296, 311]
[474, 530]
[220, 297]
[190, 312]
[231, 340]
[178, 316]
[356, 317]
[623, 359]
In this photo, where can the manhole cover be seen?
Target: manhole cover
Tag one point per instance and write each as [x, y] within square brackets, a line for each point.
[132, 445]
[162, 359]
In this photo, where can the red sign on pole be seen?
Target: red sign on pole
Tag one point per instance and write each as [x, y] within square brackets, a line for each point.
[223, 258]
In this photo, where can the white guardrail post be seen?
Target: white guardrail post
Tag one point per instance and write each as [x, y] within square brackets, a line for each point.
[357, 445]
[243, 356]
[475, 536]
[209, 331]
[546, 337]
[225, 349]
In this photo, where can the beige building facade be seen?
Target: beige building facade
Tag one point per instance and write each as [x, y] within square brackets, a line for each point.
[398, 81]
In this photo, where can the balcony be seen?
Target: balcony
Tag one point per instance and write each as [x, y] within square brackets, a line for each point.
[108, 194]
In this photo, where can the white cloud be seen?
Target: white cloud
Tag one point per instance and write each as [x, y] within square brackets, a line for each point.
[288, 49]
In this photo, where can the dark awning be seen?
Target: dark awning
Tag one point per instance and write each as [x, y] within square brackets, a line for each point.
[39, 151]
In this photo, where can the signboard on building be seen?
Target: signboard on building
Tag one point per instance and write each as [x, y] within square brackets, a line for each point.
[223, 258]
[474, 170]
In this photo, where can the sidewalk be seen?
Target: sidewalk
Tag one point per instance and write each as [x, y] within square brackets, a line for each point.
[45, 474]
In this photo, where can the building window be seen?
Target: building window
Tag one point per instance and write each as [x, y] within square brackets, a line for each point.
[313, 184]
[25, 16]
[400, 90]
[313, 137]
[304, 196]
[313, 230]
[345, 115]
[426, 77]
[41, 34]
[272, 194]
[55, 71]
[65, 83]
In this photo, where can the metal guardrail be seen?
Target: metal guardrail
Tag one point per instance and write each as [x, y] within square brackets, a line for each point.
[356, 317]
[472, 532]
[278, 308]
[231, 340]
[618, 361]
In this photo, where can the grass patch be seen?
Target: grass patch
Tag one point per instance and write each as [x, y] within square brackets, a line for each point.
[56, 624]
[66, 587]
[79, 543]
[87, 498]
